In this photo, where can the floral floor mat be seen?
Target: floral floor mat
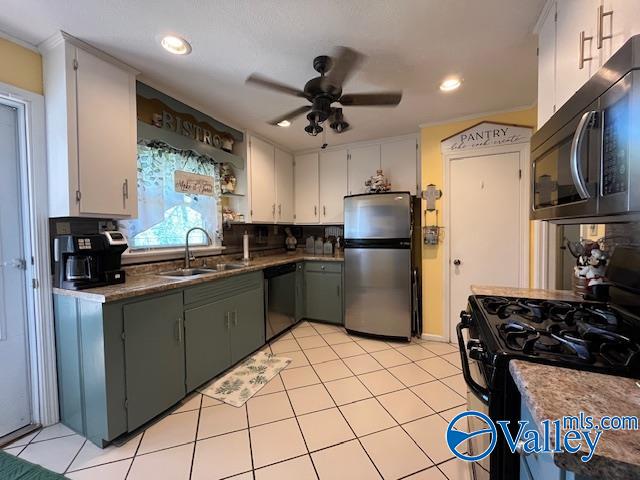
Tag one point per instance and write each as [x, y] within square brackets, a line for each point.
[246, 379]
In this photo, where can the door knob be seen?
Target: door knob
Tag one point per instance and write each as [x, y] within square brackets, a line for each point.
[457, 262]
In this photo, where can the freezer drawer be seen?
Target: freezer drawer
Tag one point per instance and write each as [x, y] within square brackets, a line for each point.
[378, 291]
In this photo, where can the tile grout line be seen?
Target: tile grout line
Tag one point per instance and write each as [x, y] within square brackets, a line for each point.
[195, 439]
[349, 425]
[135, 454]
[75, 456]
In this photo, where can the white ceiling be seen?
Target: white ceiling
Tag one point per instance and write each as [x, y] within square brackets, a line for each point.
[411, 45]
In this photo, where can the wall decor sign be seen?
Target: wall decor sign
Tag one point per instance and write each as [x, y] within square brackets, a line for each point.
[166, 113]
[486, 134]
[192, 183]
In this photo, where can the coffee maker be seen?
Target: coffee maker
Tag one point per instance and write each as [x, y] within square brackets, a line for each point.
[87, 261]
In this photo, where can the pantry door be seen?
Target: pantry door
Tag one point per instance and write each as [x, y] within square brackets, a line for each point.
[15, 410]
[488, 241]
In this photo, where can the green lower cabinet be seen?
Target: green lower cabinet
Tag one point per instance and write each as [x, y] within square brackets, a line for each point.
[323, 292]
[299, 291]
[247, 323]
[206, 332]
[154, 354]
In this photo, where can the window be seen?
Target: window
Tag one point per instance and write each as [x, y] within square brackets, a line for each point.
[164, 215]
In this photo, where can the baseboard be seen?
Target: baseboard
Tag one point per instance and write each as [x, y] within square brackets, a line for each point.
[434, 338]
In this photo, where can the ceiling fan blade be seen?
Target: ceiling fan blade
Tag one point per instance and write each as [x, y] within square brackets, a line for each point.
[290, 115]
[264, 82]
[390, 99]
[345, 62]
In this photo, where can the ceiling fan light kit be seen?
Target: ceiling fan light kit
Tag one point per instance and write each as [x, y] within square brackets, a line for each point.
[326, 89]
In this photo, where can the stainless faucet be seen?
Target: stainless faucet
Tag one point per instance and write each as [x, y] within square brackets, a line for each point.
[187, 255]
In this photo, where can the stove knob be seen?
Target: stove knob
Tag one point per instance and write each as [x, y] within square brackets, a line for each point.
[465, 318]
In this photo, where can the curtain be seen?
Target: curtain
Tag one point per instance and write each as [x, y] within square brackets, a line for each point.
[164, 215]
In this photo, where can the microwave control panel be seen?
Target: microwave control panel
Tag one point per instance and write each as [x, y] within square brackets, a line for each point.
[615, 155]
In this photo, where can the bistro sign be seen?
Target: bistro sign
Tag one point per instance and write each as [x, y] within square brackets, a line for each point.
[486, 134]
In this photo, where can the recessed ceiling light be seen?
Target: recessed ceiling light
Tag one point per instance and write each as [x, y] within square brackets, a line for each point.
[284, 123]
[450, 84]
[176, 45]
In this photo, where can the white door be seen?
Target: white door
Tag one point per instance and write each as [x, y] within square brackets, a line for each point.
[284, 186]
[263, 194]
[399, 164]
[547, 67]
[363, 163]
[15, 411]
[485, 225]
[333, 185]
[106, 137]
[306, 188]
[574, 16]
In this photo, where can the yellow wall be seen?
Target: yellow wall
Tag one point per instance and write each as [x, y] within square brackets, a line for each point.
[21, 67]
[432, 172]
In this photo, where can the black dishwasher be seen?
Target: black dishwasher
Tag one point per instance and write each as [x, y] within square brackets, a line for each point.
[280, 298]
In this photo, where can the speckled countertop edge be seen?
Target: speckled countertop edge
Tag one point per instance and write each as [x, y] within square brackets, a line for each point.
[552, 392]
[149, 283]
[535, 293]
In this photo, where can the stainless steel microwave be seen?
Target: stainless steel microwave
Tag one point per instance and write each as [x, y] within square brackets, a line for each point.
[586, 158]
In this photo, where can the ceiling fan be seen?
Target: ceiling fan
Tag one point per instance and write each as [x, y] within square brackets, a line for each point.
[325, 90]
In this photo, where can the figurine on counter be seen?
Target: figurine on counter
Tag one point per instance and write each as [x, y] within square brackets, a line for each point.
[290, 242]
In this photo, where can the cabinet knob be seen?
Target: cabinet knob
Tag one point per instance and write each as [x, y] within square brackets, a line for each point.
[457, 262]
[601, 16]
[582, 59]
[315, 210]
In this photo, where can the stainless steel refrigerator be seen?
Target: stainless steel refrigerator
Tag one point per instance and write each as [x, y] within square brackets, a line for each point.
[382, 264]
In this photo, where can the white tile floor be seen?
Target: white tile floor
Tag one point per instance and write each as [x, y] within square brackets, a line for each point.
[345, 408]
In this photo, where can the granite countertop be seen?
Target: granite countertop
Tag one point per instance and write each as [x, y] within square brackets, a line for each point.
[553, 392]
[535, 293]
[145, 280]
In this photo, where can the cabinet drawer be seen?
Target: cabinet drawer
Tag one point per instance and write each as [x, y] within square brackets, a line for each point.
[331, 267]
[221, 289]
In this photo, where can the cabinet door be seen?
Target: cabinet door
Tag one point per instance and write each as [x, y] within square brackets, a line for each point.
[574, 16]
[623, 23]
[284, 187]
[154, 354]
[323, 296]
[207, 348]
[247, 323]
[263, 194]
[547, 67]
[399, 164]
[106, 124]
[306, 188]
[363, 163]
[299, 291]
[333, 185]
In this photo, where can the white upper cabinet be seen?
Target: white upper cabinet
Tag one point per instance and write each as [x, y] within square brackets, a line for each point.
[106, 141]
[362, 164]
[576, 29]
[333, 185]
[547, 65]
[91, 131]
[620, 20]
[575, 38]
[306, 188]
[399, 164]
[263, 177]
[284, 186]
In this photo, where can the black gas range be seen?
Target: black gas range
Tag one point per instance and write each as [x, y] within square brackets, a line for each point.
[595, 336]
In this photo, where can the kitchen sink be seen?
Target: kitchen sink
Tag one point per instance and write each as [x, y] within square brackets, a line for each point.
[221, 267]
[187, 272]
